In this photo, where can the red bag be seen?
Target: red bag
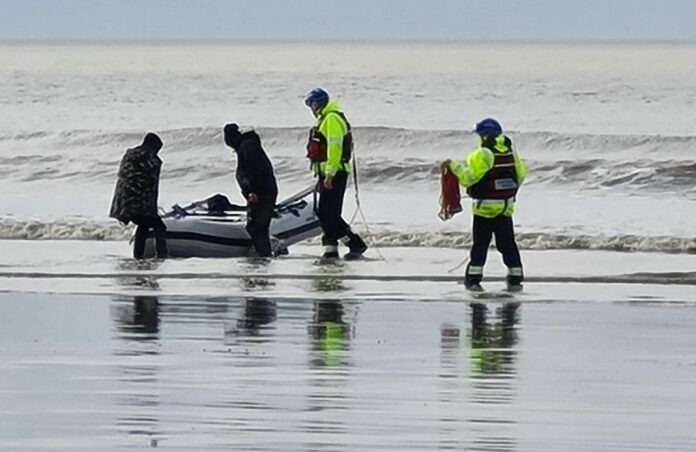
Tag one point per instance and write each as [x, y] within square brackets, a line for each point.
[450, 196]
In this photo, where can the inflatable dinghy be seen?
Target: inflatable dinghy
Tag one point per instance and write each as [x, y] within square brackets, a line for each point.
[216, 228]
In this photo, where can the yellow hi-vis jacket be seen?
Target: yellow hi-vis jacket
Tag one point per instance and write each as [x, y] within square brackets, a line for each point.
[332, 126]
[477, 164]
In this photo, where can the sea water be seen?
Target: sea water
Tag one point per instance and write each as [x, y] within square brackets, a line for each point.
[605, 129]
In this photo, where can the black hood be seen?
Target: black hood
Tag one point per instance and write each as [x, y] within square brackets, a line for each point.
[233, 137]
[152, 142]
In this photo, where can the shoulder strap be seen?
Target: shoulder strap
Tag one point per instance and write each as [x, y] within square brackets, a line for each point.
[341, 115]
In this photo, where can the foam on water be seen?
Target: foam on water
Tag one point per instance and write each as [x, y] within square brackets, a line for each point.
[110, 231]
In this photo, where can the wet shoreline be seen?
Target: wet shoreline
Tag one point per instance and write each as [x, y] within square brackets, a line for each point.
[83, 372]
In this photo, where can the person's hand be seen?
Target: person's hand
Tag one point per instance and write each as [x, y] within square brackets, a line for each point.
[253, 198]
[328, 182]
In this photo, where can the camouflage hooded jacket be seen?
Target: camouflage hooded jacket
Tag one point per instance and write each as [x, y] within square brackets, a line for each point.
[137, 187]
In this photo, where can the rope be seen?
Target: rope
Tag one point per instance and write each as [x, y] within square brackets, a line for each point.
[358, 208]
[459, 265]
[355, 183]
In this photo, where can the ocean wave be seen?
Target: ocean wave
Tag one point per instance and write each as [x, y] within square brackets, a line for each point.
[543, 241]
[640, 175]
[11, 229]
[368, 138]
[652, 163]
[665, 176]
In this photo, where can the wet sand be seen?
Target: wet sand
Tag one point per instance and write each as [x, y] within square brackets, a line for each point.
[98, 353]
[84, 372]
[406, 273]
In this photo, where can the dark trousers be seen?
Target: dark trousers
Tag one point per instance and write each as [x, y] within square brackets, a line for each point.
[330, 208]
[259, 217]
[144, 225]
[483, 231]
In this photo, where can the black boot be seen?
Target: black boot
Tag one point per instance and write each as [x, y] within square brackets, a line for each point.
[514, 283]
[356, 246]
[331, 254]
[473, 286]
[160, 232]
[161, 247]
[473, 277]
[139, 243]
[514, 279]
[330, 249]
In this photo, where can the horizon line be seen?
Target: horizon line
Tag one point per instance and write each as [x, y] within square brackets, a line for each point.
[229, 41]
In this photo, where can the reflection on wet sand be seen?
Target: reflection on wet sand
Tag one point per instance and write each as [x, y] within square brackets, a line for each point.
[330, 335]
[329, 279]
[258, 314]
[137, 333]
[492, 356]
[493, 343]
[255, 323]
[450, 388]
[239, 347]
[255, 266]
[141, 319]
[145, 265]
[134, 372]
[137, 323]
[329, 364]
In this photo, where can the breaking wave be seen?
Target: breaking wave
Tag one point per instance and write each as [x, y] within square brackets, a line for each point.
[369, 138]
[666, 176]
[11, 229]
[654, 163]
[543, 241]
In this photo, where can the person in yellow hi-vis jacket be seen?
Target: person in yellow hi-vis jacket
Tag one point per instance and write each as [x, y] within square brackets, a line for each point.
[492, 175]
[329, 150]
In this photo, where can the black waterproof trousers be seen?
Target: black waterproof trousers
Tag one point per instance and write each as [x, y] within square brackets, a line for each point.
[144, 225]
[259, 217]
[482, 233]
[330, 208]
[333, 225]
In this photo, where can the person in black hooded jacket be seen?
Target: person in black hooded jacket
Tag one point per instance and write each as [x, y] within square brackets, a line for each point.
[258, 184]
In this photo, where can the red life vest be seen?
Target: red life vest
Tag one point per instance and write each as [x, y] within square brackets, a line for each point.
[317, 147]
[450, 197]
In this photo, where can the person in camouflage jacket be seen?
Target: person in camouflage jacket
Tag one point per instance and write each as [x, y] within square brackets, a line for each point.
[136, 192]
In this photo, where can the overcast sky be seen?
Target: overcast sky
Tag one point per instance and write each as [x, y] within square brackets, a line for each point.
[341, 20]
